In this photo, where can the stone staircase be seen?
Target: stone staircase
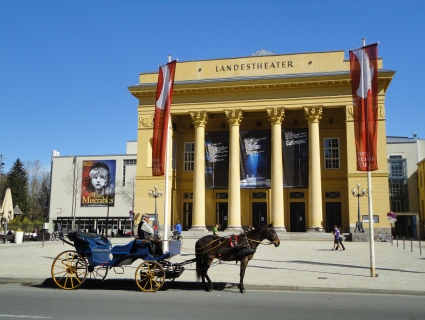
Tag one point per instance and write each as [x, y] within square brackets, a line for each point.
[283, 236]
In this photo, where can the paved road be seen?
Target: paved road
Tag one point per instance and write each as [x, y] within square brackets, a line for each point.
[32, 303]
[294, 265]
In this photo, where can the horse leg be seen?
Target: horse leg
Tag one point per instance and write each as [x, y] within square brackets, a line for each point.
[208, 287]
[204, 275]
[203, 282]
[244, 264]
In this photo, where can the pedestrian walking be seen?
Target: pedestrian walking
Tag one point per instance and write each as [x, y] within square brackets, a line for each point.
[336, 234]
[340, 239]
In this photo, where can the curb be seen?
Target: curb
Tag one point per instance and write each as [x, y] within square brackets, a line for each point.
[126, 284]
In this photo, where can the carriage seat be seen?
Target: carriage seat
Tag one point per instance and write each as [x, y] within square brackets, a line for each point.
[135, 246]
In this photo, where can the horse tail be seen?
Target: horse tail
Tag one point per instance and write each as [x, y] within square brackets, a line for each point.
[199, 260]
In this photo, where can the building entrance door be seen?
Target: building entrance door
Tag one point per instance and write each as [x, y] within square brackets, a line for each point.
[187, 215]
[297, 216]
[259, 214]
[406, 226]
[333, 215]
[222, 214]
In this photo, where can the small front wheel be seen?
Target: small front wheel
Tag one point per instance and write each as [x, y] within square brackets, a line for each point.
[171, 238]
[150, 276]
[69, 270]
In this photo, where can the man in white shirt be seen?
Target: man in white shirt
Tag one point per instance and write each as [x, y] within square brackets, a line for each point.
[145, 232]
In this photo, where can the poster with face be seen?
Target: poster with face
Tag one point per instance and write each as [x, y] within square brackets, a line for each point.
[98, 183]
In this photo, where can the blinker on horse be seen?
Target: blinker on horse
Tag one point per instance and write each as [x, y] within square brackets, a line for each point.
[212, 247]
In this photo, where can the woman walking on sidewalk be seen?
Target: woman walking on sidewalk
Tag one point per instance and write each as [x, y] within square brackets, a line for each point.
[340, 239]
[336, 234]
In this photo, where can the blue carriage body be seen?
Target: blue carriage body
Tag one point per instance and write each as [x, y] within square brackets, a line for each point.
[100, 252]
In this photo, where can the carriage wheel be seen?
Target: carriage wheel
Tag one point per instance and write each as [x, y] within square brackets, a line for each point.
[150, 276]
[96, 275]
[69, 270]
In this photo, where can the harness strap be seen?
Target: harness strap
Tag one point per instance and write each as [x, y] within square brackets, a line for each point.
[261, 242]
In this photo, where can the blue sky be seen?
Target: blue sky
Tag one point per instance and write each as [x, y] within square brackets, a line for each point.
[65, 66]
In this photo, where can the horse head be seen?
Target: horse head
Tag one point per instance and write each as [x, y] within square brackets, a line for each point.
[272, 236]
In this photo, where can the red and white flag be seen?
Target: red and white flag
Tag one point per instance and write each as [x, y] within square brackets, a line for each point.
[364, 86]
[164, 93]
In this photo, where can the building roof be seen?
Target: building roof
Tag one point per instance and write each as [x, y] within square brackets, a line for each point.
[395, 139]
[262, 52]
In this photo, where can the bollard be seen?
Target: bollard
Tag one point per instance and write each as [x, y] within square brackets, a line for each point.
[420, 249]
[397, 241]
[404, 244]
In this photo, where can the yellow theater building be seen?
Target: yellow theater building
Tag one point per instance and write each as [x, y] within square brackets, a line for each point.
[260, 139]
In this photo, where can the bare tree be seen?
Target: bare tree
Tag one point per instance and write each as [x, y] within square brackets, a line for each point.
[127, 191]
[72, 181]
[38, 180]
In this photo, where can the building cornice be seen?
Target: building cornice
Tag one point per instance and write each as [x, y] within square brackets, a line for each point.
[259, 83]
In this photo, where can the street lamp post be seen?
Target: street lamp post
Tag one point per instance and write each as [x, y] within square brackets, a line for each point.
[358, 194]
[74, 160]
[155, 194]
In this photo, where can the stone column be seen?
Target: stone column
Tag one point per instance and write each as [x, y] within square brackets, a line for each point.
[199, 120]
[276, 117]
[234, 118]
[315, 209]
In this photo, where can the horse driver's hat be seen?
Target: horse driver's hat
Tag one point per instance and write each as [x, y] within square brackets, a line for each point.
[145, 216]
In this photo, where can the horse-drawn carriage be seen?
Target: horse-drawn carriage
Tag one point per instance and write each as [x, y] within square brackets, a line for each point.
[94, 256]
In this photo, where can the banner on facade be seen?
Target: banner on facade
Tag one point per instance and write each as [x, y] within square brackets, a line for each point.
[295, 158]
[364, 86]
[164, 94]
[217, 160]
[255, 159]
[98, 183]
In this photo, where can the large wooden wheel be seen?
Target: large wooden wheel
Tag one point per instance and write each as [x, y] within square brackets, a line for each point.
[150, 276]
[69, 270]
[96, 275]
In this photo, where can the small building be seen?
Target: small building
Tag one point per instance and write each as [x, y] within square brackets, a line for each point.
[93, 192]
[421, 189]
[404, 153]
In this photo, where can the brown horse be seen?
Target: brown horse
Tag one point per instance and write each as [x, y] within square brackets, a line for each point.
[241, 249]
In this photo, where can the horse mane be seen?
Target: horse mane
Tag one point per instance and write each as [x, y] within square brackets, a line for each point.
[256, 230]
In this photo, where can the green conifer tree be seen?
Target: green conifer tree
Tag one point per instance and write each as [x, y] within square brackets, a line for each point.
[18, 183]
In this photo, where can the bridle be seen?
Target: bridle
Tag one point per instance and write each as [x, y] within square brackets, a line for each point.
[271, 235]
[267, 236]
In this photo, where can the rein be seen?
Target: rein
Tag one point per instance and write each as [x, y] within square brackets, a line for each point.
[208, 245]
[261, 242]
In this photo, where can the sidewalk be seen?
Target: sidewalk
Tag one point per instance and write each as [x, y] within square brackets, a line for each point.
[294, 265]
